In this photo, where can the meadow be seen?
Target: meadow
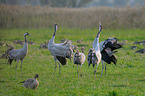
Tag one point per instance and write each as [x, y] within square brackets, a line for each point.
[127, 78]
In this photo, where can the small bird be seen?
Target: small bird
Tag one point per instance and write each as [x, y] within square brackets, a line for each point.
[60, 51]
[92, 59]
[94, 55]
[79, 59]
[31, 83]
[7, 52]
[19, 54]
[107, 49]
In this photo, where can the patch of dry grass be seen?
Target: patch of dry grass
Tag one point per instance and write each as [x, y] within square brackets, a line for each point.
[44, 17]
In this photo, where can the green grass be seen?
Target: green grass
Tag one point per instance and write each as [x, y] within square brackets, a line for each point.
[127, 78]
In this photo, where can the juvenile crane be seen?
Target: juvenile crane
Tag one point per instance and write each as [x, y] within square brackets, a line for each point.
[59, 51]
[31, 83]
[92, 59]
[107, 49]
[19, 54]
[79, 59]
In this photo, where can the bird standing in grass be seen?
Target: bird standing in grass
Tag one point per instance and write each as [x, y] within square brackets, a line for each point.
[19, 54]
[60, 51]
[31, 83]
[79, 59]
[94, 55]
[92, 59]
[107, 49]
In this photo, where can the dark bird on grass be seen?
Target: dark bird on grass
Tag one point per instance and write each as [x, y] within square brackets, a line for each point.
[60, 51]
[107, 49]
[19, 54]
[94, 55]
[7, 53]
[79, 59]
[140, 51]
[31, 83]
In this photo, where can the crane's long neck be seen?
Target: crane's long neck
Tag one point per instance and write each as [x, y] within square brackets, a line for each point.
[25, 45]
[51, 41]
[96, 41]
[53, 37]
[96, 44]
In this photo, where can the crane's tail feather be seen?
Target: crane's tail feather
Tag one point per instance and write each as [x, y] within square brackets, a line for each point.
[62, 60]
[114, 60]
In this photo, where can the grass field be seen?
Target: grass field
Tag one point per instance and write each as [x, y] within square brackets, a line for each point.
[127, 78]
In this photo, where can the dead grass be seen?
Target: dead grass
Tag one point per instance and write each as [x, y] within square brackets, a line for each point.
[44, 17]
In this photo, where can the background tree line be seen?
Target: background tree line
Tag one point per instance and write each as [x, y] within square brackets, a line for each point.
[73, 3]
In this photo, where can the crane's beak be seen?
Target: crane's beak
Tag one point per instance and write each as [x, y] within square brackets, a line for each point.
[29, 35]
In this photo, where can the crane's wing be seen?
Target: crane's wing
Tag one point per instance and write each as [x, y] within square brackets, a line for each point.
[19, 53]
[113, 46]
[61, 51]
[14, 53]
[108, 58]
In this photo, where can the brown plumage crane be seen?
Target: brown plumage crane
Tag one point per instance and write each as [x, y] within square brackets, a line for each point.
[79, 59]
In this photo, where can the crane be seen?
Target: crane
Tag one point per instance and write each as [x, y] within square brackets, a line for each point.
[96, 47]
[59, 51]
[107, 48]
[19, 54]
[79, 59]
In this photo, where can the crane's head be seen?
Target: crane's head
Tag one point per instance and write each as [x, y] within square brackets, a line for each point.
[55, 25]
[100, 27]
[27, 34]
[36, 76]
[77, 53]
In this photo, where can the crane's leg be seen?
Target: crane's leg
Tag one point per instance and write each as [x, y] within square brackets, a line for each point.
[96, 68]
[89, 63]
[55, 65]
[16, 67]
[80, 70]
[77, 70]
[105, 69]
[21, 67]
[59, 67]
[102, 68]
[6, 59]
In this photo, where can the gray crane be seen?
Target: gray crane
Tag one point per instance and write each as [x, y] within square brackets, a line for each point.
[94, 56]
[19, 54]
[59, 51]
[79, 59]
